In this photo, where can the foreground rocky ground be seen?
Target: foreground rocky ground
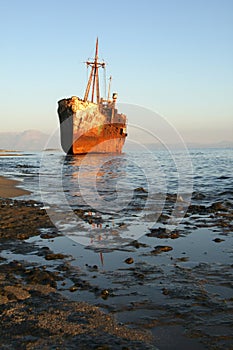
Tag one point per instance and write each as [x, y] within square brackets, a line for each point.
[33, 314]
[193, 293]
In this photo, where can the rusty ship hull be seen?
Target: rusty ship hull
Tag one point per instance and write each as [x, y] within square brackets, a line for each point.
[86, 127]
[92, 126]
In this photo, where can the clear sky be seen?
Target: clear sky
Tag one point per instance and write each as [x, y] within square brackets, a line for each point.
[174, 57]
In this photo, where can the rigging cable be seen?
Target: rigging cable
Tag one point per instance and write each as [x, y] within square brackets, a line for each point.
[105, 89]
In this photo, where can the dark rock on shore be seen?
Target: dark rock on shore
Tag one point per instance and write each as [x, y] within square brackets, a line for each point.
[129, 261]
[162, 232]
[54, 256]
[22, 219]
[137, 244]
[218, 240]
[161, 248]
[52, 322]
[140, 190]
[33, 314]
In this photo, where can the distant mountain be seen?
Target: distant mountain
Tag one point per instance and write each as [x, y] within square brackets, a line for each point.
[189, 145]
[29, 140]
[35, 140]
[222, 144]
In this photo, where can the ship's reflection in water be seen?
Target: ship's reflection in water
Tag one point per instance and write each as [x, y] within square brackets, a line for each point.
[108, 193]
[97, 174]
[103, 183]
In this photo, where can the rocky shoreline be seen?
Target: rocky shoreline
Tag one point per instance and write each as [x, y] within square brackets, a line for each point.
[34, 314]
[43, 288]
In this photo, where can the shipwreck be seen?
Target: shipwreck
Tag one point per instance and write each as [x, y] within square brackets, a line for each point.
[92, 125]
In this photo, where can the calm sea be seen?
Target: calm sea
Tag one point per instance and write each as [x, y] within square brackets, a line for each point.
[111, 208]
[207, 171]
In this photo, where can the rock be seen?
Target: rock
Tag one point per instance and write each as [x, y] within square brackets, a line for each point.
[198, 195]
[49, 235]
[104, 294]
[218, 206]
[183, 259]
[122, 225]
[92, 268]
[17, 291]
[129, 260]
[141, 190]
[37, 276]
[218, 240]
[197, 209]
[22, 219]
[55, 256]
[73, 288]
[139, 275]
[165, 291]
[174, 235]
[162, 232]
[161, 248]
[137, 244]
[23, 236]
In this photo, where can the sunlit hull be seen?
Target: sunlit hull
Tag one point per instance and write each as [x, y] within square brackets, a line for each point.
[86, 127]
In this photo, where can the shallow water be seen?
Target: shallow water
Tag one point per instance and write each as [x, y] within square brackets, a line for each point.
[111, 208]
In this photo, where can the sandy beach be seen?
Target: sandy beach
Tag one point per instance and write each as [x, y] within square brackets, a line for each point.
[9, 189]
[34, 315]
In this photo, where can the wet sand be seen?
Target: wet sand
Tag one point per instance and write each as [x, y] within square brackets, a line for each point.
[9, 189]
[33, 314]
[9, 154]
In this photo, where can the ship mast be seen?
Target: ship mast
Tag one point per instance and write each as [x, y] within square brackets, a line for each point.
[94, 77]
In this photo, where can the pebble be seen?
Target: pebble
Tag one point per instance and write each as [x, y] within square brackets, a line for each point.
[218, 240]
[165, 291]
[104, 294]
[141, 189]
[53, 256]
[73, 288]
[129, 260]
[161, 248]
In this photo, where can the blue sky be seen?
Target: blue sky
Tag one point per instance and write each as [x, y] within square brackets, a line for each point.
[174, 57]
